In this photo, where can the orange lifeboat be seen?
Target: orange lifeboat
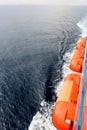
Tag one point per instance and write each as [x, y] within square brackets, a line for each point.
[76, 63]
[65, 107]
[81, 43]
[72, 91]
[79, 53]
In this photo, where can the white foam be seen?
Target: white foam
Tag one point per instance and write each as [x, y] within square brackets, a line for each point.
[66, 69]
[82, 24]
[42, 120]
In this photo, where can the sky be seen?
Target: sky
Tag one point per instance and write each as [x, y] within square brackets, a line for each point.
[46, 2]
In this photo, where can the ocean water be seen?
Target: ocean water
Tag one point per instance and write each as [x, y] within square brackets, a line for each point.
[36, 44]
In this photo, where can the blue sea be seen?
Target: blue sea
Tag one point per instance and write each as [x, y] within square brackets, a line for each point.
[36, 44]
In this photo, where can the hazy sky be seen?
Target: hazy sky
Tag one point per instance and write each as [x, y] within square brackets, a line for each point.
[48, 2]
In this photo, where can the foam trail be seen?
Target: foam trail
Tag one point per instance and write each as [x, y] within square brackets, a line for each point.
[66, 70]
[82, 24]
[43, 118]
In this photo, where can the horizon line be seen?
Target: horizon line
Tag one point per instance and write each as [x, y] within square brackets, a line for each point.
[42, 4]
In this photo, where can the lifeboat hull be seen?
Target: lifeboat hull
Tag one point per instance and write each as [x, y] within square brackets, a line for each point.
[65, 107]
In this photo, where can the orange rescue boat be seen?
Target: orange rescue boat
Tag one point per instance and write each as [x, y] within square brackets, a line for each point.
[71, 104]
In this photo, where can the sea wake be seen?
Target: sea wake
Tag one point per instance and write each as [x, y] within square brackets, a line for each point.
[43, 118]
[82, 24]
